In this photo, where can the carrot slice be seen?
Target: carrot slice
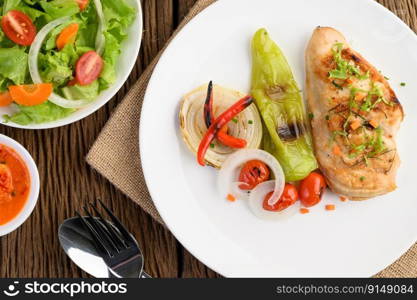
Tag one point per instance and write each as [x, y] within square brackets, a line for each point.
[355, 124]
[5, 99]
[330, 207]
[231, 198]
[374, 123]
[343, 199]
[304, 211]
[336, 150]
[32, 94]
[67, 36]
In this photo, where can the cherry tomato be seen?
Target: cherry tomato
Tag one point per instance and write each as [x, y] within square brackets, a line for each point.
[72, 82]
[88, 68]
[288, 198]
[311, 189]
[18, 27]
[82, 4]
[253, 173]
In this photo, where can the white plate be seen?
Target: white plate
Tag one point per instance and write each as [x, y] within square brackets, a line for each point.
[358, 239]
[126, 62]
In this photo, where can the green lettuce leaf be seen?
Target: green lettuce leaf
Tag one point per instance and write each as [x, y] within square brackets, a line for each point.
[13, 64]
[118, 11]
[59, 8]
[119, 16]
[88, 27]
[4, 41]
[43, 113]
[4, 83]
[57, 66]
[110, 57]
[78, 92]
[9, 4]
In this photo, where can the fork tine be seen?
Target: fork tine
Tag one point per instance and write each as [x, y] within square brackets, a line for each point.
[112, 232]
[117, 223]
[102, 233]
[96, 238]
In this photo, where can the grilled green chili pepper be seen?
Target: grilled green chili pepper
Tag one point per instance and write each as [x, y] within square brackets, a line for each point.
[279, 101]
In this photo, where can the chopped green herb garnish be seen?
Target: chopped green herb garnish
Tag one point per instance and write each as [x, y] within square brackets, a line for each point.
[327, 117]
[352, 101]
[338, 74]
[366, 160]
[403, 84]
[337, 85]
[211, 145]
[250, 122]
[377, 143]
[364, 76]
[337, 133]
[234, 120]
[362, 178]
[311, 116]
[344, 68]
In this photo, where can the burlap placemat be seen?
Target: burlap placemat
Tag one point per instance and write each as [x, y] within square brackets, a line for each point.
[116, 156]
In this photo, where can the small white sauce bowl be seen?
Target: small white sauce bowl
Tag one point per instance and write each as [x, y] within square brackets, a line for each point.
[34, 186]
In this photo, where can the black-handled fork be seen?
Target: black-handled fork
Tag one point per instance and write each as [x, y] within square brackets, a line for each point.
[114, 243]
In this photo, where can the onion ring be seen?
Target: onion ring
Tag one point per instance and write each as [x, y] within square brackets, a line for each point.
[230, 169]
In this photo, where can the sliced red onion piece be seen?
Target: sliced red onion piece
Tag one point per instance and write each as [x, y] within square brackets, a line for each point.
[231, 168]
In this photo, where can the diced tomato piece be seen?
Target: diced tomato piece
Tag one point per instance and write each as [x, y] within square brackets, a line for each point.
[18, 27]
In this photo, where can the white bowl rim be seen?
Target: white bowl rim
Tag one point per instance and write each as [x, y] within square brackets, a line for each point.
[34, 186]
[110, 92]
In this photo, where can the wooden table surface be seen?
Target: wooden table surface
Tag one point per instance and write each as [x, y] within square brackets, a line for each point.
[67, 181]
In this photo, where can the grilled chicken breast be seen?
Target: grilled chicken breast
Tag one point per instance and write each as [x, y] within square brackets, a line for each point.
[355, 117]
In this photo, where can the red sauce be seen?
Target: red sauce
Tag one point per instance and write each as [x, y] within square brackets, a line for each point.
[14, 184]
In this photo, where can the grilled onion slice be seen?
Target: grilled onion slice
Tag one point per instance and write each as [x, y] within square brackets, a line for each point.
[247, 125]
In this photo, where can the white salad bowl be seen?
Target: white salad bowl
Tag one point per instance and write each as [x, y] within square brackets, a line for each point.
[34, 186]
[127, 59]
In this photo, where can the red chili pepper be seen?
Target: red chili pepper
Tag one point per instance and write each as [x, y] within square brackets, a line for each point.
[208, 106]
[219, 123]
[222, 135]
[229, 140]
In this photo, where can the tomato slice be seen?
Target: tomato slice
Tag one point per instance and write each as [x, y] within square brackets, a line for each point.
[253, 173]
[32, 94]
[18, 27]
[88, 68]
[5, 99]
[82, 4]
[67, 36]
[288, 198]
